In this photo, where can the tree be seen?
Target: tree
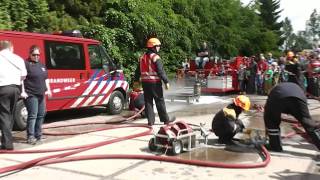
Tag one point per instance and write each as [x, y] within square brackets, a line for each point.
[19, 12]
[38, 15]
[270, 14]
[301, 42]
[5, 20]
[124, 25]
[313, 26]
[288, 34]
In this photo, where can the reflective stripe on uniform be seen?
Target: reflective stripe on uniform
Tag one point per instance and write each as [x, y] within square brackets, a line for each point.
[235, 127]
[274, 132]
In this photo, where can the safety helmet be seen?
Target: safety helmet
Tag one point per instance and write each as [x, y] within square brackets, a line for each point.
[153, 42]
[243, 102]
[290, 54]
[137, 87]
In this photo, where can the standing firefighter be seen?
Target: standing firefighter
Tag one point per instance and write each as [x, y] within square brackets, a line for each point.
[226, 122]
[151, 73]
[293, 68]
[288, 98]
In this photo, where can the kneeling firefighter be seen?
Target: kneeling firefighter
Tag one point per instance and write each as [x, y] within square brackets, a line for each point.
[226, 123]
[137, 99]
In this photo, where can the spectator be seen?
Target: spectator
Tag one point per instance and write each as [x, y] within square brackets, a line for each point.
[268, 79]
[276, 73]
[202, 56]
[262, 67]
[36, 86]
[12, 73]
[270, 59]
[252, 71]
[242, 78]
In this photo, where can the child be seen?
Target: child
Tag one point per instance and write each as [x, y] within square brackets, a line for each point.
[268, 80]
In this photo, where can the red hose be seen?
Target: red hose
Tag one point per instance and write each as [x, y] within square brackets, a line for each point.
[33, 162]
[166, 159]
[62, 157]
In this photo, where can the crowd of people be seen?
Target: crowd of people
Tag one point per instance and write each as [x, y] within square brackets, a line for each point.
[257, 75]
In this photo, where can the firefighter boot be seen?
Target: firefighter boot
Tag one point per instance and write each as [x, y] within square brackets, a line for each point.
[274, 144]
[171, 119]
[315, 136]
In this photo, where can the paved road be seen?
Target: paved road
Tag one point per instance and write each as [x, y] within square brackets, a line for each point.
[298, 161]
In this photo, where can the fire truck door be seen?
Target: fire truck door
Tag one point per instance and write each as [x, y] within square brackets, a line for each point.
[68, 75]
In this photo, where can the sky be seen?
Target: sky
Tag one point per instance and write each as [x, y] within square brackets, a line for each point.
[298, 11]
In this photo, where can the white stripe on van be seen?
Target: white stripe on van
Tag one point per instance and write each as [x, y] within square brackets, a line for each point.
[88, 101]
[104, 92]
[85, 93]
[107, 99]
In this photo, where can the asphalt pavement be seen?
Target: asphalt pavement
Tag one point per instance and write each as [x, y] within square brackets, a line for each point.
[300, 159]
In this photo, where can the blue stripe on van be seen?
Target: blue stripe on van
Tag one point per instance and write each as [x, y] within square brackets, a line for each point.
[94, 76]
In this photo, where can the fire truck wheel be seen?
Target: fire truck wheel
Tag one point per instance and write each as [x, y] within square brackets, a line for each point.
[176, 147]
[116, 103]
[152, 146]
[20, 116]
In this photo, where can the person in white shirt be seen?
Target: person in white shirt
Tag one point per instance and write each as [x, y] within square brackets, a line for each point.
[12, 74]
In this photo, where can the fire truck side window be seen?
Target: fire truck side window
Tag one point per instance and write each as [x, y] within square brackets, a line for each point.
[95, 57]
[99, 58]
[62, 55]
[106, 60]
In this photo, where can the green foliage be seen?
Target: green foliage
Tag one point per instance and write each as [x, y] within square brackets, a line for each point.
[5, 19]
[19, 12]
[270, 13]
[38, 15]
[123, 26]
[288, 34]
[313, 26]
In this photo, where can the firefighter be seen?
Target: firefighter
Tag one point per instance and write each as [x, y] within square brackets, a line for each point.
[136, 102]
[150, 71]
[288, 98]
[294, 70]
[226, 122]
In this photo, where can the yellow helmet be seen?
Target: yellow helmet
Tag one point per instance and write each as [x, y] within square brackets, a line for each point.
[243, 102]
[153, 42]
[290, 54]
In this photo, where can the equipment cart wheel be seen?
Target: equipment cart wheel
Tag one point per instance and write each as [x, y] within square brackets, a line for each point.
[152, 145]
[176, 147]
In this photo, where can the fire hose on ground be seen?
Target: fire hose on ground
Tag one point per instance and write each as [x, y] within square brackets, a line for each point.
[63, 157]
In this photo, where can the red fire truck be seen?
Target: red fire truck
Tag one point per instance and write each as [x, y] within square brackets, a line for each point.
[81, 73]
[214, 77]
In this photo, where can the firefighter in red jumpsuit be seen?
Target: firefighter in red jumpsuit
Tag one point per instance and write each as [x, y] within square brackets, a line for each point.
[288, 98]
[151, 73]
[226, 122]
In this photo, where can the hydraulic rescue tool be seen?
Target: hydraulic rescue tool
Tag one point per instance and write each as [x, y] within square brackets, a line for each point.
[177, 137]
